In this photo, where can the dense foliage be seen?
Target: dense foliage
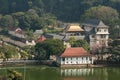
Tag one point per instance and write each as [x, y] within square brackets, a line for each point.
[81, 43]
[63, 9]
[37, 14]
[115, 51]
[7, 51]
[43, 50]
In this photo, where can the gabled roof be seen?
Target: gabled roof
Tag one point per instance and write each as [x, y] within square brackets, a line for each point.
[73, 28]
[94, 23]
[54, 36]
[19, 31]
[38, 31]
[75, 52]
[40, 39]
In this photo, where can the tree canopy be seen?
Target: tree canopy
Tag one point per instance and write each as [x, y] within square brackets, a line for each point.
[105, 13]
[108, 15]
[7, 51]
[50, 47]
[81, 43]
[37, 14]
[115, 51]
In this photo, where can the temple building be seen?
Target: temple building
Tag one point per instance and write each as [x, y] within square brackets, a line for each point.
[73, 30]
[96, 33]
[75, 56]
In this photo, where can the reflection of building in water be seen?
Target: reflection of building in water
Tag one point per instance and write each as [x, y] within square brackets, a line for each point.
[77, 78]
[76, 72]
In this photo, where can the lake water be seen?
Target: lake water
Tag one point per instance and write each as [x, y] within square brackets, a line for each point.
[52, 73]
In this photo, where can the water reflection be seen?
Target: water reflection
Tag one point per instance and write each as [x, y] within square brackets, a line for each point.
[50, 73]
[85, 74]
[76, 72]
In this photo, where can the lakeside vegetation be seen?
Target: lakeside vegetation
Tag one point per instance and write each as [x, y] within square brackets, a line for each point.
[40, 72]
[48, 15]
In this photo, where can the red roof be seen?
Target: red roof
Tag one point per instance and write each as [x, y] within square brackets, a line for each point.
[75, 52]
[40, 39]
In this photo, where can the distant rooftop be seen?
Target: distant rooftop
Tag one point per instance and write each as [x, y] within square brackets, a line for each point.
[38, 31]
[95, 23]
[73, 28]
[75, 52]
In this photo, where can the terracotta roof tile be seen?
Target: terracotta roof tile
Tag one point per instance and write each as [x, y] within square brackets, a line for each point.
[75, 52]
[41, 39]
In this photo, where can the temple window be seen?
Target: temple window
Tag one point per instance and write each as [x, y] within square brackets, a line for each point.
[93, 36]
[105, 30]
[63, 59]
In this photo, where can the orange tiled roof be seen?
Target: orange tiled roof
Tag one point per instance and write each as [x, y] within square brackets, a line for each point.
[40, 39]
[75, 52]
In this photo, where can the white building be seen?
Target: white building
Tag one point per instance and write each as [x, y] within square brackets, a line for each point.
[75, 55]
[96, 33]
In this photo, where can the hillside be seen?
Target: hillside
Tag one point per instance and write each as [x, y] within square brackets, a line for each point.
[37, 14]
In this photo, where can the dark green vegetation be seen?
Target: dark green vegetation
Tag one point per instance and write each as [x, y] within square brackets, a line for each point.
[9, 52]
[49, 14]
[47, 73]
[43, 50]
[14, 75]
[115, 51]
[10, 75]
[37, 14]
[80, 43]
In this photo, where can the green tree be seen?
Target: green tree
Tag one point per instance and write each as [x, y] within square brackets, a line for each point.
[40, 51]
[8, 51]
[81, 43]
[48, 19]
[115, 52]
[7, 21]
[14, 75]
[49, 47]
[55, 46]
[24, 54]
[72, 40]
[105, 13]
[29, 34]
[29, 19]
[0, 16]
[41, 54]
[116, 47]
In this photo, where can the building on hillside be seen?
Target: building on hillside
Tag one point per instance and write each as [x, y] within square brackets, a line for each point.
[70, 31]
[38, 32]
[32, 42]
[18, 32]
[73, 30]
[96, 32]
[54, 36]
[75, 56]
[40, 39]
